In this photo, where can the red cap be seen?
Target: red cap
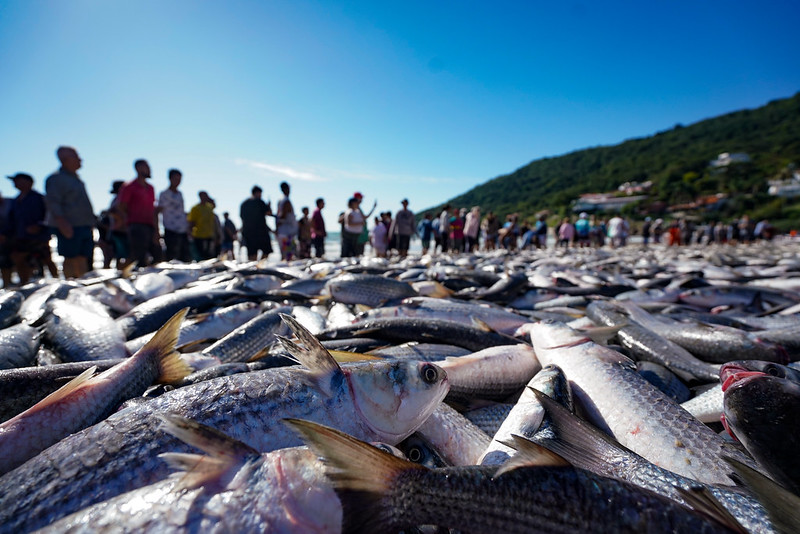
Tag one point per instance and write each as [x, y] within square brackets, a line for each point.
[358, 195]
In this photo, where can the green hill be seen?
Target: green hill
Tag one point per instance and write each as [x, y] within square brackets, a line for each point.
[676, 161]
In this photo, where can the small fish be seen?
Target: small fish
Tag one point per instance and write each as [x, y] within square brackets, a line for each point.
[372, 290]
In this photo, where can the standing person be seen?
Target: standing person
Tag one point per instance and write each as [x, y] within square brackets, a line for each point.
[540, 231]
[352, 226]
[70, 213]
[304, 234]
[318, 233]
[286, 224]
[137, 202]
[229, 233]
[204, 227]
[403, 227]
[173, 219]
[255, 232]
[379, 238]
[615, 231]
[472, 224]
[566, 233]
[646, 229]
[582, 229]
[456, 225]
[29, 238]
[425, 231]
[444, 227]
[119, 235]
[363, 237]
[491, 229]
[657, 229]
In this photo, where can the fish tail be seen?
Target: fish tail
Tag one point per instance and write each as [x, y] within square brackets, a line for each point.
[363, 476]
[171, 368]
[223, 453]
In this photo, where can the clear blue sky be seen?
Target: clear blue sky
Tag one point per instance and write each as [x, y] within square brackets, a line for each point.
[394, 99]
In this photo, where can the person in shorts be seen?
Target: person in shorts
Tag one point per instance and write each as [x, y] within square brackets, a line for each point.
[70, 213]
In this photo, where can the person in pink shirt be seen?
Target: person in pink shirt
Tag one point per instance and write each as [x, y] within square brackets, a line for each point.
[137, 206]
[566, 233]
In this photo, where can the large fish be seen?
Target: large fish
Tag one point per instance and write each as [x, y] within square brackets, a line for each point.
[380, 401]
[88, 399]
[762, 410]
[617, 399]
[382, 493]
[231, 488]
[18, 346]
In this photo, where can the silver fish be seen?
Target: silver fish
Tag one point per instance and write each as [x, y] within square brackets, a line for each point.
[381, 401]
[619, 400]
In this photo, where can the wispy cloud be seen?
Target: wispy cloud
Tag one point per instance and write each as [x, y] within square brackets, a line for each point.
[328, 174]
[282, 171]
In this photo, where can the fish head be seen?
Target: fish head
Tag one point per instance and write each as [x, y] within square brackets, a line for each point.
[394, 398]
[757, 396]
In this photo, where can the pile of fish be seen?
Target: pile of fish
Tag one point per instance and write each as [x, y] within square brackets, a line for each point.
[598, 390]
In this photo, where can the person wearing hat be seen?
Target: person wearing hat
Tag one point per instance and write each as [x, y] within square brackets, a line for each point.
[70, 213]
[582, 229]
[403, 227]
[28, 238]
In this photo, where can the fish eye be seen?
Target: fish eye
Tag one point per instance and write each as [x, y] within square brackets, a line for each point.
[384, 448]
[774, 370]
[429, 373]
[414, 454]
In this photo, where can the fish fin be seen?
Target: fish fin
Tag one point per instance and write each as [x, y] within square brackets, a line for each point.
[602, 334]
[193, 346]
[578, 442]
[783, 506]
[201, 317]
[127, 271]
[433, 289]
[480, 325]
[528, 454]
[360, 473]
[363, 308]
[171, 368]
[63, 391]
[263, 353]
[342, 356]
[223, 453]
[316, 358]
[701, 499]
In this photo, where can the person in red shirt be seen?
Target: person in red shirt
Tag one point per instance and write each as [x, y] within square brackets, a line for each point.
[137, 205]
[318, 232]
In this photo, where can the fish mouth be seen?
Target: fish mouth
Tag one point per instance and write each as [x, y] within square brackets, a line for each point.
[736, 375]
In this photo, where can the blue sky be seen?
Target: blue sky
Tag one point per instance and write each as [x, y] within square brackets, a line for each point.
[394, 99]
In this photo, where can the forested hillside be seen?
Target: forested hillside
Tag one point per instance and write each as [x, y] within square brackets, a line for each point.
[675, 160]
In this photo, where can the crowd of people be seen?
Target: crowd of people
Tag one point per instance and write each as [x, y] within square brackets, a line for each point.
[129, 231]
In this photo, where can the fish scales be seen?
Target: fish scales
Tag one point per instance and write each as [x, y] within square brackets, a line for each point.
[114, 458]
[620, 401]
